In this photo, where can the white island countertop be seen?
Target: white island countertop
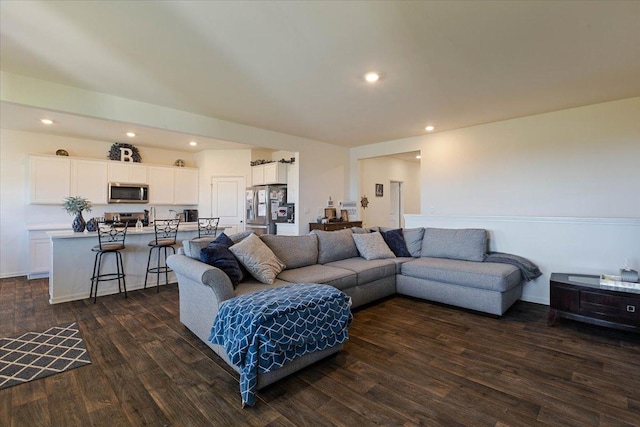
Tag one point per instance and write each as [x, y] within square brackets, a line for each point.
[70, 234]
[72, 262]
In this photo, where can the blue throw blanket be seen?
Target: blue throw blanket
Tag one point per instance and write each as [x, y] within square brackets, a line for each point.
[262, 331]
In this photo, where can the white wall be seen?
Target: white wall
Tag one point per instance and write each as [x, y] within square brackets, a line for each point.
[16, 214]
[323, 173]
[576, 166]
[578, 162]
[383, 170]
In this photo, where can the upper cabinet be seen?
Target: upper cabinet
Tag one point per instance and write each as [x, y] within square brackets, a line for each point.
[50, 179]
[161, 185]
[89, 180]
[270, 173]
[186, 186]
[53, 178]
[127, 172]
[257, 175]
[172, 186]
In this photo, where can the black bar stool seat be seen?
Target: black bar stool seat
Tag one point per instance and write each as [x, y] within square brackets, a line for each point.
[111, 239]
[165, 231]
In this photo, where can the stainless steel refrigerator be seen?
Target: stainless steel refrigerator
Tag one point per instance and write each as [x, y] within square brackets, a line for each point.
[262, 203]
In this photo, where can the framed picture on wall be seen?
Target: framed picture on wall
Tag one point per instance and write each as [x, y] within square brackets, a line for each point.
[379, 190]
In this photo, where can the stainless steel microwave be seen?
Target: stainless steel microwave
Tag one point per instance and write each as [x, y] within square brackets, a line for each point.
[128, 193]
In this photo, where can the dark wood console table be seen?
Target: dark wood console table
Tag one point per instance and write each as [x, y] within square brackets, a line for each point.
[333, 226]
[581, 297]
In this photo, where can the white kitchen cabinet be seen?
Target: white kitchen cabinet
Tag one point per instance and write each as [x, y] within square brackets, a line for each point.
[172, 186]
[54, 178]
[40, 252]
[161, 185]
[275, 173]
[50, 179]
[257, 175]
[127, 172]
[89, 180]
[270, 173]
[186, 186]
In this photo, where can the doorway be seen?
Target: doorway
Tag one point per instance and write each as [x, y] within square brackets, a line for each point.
[396, 205]
[227, 202]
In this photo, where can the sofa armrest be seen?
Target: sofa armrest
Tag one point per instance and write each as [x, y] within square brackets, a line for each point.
[199, 272]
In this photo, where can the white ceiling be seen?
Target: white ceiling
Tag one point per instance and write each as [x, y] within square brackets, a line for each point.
[296, 66]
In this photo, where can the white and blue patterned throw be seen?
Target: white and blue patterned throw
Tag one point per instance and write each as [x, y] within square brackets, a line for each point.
[264, 330]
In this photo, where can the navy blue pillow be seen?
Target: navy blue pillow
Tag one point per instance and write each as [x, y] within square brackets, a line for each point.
[224, 240]
[219, 255]
[395, 241]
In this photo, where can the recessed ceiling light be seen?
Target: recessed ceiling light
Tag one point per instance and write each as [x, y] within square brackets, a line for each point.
[46, 121]
[429, 128]
[418, 157]
[372, 77]
[131, 134]
[193, 143]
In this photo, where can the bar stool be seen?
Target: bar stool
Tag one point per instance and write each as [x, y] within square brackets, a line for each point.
[166, 231]
[207, 228]
[111, 239]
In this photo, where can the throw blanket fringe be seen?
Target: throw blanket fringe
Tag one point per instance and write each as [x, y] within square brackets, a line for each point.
[528, 269]
[263, 331]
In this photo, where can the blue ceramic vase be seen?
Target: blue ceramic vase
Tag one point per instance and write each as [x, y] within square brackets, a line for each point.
[78, 223]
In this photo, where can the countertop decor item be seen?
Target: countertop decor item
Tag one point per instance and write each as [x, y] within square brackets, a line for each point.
[124, 152]
[74, 206]
[92, 225]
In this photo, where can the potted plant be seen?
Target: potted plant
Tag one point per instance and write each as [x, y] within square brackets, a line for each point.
[75, 206]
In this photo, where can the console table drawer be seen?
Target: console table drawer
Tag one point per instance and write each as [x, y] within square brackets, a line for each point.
[610, 307]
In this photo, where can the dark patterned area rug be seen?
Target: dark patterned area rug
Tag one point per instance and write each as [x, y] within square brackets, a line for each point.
[39, 354]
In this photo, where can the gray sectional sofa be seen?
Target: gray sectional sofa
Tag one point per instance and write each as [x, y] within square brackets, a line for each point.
[445, 266]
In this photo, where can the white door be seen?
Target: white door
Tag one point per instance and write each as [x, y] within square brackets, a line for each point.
[395, 205]
[227, 202]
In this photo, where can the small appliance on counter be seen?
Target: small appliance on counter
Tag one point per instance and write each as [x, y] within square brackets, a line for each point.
[191, 215]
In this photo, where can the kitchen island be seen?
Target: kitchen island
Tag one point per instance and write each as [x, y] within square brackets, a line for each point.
[72, 262]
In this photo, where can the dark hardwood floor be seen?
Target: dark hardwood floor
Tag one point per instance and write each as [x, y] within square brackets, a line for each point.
[408, 362]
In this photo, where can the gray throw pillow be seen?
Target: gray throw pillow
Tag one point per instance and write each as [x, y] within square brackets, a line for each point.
[372, 246]
[238, 237]
[465, 244]
[258, 259]
[293, 251]
[359, 230]
[413, 238]
[335, 245]
[192, 248]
